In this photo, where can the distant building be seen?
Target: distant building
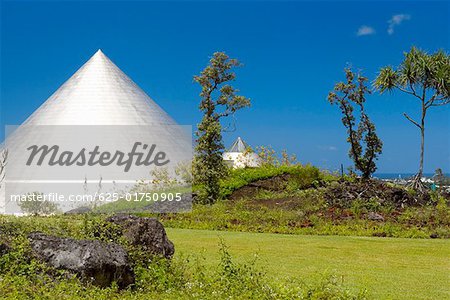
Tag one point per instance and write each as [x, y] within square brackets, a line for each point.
[241, 155]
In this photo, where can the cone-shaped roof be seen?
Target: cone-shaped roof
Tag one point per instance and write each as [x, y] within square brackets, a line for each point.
[99, 93]
[238, 146]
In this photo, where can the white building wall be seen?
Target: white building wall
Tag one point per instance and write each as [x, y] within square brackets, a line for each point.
[241, 160]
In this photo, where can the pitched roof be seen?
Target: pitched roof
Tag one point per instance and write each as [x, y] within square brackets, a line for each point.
[238, 146]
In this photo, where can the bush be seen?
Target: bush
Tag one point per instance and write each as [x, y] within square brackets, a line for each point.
[302, 177]
[35, 204]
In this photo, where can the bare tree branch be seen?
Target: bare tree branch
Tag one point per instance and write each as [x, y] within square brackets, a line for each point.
[408, 92]
[430, 102]
[412, 88]
[438, 103]
[412, 121]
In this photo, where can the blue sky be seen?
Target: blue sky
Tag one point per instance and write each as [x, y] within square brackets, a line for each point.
[293, 54]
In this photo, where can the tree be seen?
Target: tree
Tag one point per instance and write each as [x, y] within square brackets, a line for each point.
[36, 204]
[218, 100]
[347, 95]
[427, 78]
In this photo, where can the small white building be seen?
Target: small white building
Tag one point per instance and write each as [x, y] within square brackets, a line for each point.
[241, 155]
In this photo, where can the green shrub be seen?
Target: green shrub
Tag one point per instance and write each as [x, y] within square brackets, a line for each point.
[302, 177]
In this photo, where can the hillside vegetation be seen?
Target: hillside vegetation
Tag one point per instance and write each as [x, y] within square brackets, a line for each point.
[304, 200]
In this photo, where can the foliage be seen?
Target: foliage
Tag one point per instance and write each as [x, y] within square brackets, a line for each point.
[142, 198]
[268, 157]
[184, 171]
[288, 159]
[35, 204]
[306, 212]
[161, 179]
[301, 204]
[246, 159]
[346, 95]
[218, 100]
[427, 78]
[306, 176]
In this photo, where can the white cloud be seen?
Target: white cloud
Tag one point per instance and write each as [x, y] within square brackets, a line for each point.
[365, 30]
[328, 148]
[397, 20]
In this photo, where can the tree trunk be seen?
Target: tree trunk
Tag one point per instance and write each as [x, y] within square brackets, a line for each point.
[422, 147]
[417, 183]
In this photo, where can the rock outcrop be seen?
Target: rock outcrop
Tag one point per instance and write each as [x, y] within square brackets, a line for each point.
[147, 233]
[93, 261]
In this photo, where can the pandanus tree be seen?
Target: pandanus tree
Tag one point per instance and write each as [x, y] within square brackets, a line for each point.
[365, 146]
[218, 100]
[425, 77]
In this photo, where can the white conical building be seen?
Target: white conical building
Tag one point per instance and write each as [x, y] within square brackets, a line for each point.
[99, 95]
[241, 155]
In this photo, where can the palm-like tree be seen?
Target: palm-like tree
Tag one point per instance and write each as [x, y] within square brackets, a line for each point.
[425, 77]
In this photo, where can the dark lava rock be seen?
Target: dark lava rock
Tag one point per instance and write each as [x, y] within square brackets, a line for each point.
[374, 216]
[379, 234]
[94, 261]
[147, 233]
[343, 193]
[434, 236]
[4, 249]
[78, 211]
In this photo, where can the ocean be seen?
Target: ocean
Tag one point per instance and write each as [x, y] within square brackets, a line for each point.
[402, 175]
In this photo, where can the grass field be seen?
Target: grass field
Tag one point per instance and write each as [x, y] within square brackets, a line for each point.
[390, 268]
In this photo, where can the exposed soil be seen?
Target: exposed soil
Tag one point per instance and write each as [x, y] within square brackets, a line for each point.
[275, 184]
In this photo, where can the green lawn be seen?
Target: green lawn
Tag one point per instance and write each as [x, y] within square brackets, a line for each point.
[390, 268]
